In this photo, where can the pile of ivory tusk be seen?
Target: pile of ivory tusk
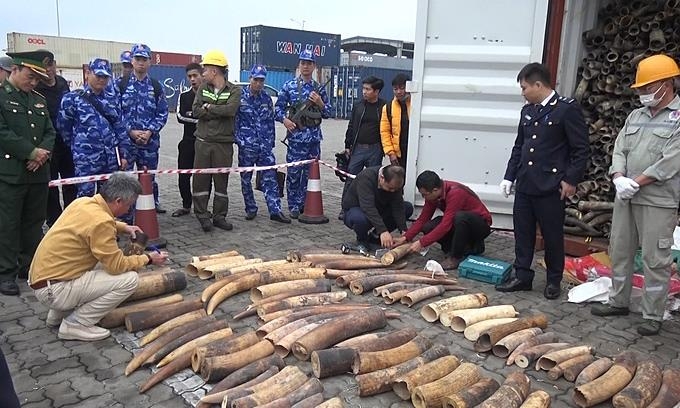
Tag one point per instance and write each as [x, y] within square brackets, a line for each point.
[591, 219]
[626, 31]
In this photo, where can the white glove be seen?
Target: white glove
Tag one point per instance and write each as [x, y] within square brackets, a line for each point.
[625, 187]
[506, 188]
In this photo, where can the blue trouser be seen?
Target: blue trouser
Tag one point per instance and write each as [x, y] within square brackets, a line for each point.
[259, 156]
[296, 183]
[8, 397]
[363, 155]
[142, 158]
[548, 211]
[356, 219]
[90, 169]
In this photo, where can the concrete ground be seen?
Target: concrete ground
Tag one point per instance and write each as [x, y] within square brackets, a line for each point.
[48, 372]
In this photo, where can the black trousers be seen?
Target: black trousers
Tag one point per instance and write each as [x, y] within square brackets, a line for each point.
[548, 212]
[185, 160]
[61, 166]
[465, 238]
[8, 397]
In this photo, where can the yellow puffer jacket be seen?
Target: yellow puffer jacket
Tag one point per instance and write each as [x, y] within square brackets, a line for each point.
[391, 132]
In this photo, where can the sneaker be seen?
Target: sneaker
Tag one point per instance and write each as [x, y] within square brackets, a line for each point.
[608, 310]
[9, 288]
[649, 327]
[251, 216]
[280, 218]
[76, 331]
[221, 223]
[160, 210]
[205, 224]
[54, 317]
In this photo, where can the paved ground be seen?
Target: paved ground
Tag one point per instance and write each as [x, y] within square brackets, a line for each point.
[48, 372]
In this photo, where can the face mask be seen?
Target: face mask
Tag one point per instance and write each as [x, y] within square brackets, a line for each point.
[649, 100]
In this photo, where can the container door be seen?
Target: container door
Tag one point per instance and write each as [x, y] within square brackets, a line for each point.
[465, 97]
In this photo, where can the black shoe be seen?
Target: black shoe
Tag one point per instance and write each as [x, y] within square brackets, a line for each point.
[649, 328]
[608, 310]
[251, 216]
[552, 291]
[180, 212]
[341, 216]
[221, 223]
[9, 288]
[294, 214]
[205, 224]
[514, 285]
[478, 248]
[280, 218]
[160, 210]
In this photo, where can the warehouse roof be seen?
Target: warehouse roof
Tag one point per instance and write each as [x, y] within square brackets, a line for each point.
[373, 45]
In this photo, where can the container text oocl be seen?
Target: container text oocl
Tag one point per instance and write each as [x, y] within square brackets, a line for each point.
[36, 41]
[288, 47]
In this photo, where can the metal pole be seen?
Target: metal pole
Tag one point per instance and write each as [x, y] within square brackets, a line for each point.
[58, 24]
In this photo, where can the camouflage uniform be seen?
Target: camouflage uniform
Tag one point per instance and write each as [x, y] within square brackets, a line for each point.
[302, 144]
[93, 134]
[143, 110]
[255, 137]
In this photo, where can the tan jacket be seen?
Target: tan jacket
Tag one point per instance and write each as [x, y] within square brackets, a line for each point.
[390, 133]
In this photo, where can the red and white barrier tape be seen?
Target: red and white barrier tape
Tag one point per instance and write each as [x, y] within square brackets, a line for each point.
[214, 170]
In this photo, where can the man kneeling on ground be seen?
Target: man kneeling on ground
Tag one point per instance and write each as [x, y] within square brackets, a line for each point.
[62, 275]
[463, 227]
[374, 205]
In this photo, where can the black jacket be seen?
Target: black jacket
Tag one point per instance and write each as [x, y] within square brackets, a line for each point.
[357, 114]
[184, 114]
[53, 95]
[551, 146]
[363, 192]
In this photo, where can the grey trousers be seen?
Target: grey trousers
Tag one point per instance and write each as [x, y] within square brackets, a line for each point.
[650, 228]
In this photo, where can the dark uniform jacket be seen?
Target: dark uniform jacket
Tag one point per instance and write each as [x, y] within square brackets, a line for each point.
[24, 125]
[216, 124]
[185, 115]
[376, 203]
[551, 146]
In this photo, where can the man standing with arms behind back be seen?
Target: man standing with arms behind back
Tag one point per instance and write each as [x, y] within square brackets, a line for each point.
[61, 163]
[394, 122]
[646, 172]
[26, 140]
[185, 116]
[216, 105]
[547, 162]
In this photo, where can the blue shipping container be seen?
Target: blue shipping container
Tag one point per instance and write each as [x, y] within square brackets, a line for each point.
[275, 79]
[346, 89]
[279, 47]
[173, 79]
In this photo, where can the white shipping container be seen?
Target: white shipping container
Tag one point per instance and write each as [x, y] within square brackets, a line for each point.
[74, 77]
[68, 52]
[376, 61]
[465, 97]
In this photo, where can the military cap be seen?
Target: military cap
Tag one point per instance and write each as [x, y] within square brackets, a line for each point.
[6, 63]
[258, 71]
[141, 50]
[100, 67]
[34, 60]
[126, 57]
[307, 55]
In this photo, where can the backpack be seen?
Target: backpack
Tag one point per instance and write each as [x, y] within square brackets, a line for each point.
[157, 92]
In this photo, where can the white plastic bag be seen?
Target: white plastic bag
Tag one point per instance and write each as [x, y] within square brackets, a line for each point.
[593, 291]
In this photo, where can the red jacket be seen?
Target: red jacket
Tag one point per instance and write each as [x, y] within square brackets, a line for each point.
[455, 197]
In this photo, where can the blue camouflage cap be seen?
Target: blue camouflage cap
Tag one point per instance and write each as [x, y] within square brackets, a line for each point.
[307, 55]
[100, 67]
[258, 71]
[126, 57]
[141, 50]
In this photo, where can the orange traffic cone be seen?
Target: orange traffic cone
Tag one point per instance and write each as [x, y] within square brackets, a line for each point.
[145, 213]
[313, 202]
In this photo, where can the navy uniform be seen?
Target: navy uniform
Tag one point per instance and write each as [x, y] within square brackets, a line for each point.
[255, 135]
[304, 143]
[26, 140]
[551, 147]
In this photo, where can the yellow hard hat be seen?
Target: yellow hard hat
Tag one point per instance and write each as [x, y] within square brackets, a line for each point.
[215, 57]
[655, 68]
